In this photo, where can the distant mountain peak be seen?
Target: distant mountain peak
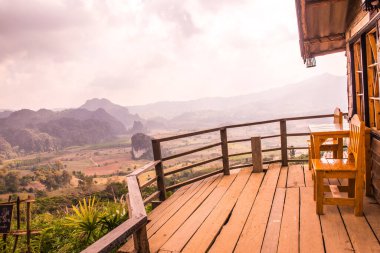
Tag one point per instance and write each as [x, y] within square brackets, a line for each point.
[119, 112]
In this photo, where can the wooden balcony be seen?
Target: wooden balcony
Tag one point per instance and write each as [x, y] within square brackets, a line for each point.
[239, 207]
[271, 211]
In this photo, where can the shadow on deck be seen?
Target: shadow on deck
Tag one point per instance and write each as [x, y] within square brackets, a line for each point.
[272, 211]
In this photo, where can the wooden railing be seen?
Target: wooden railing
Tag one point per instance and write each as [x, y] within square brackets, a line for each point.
[136, 224]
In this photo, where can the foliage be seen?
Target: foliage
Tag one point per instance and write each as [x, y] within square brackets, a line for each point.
[86, 220]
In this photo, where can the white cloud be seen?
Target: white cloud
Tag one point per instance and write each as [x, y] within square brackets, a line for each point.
[59, 53]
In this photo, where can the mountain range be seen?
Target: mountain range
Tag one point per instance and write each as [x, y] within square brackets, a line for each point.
[98, 120]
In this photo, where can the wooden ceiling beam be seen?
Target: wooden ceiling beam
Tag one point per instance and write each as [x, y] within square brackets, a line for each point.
[321, 2]
[330, 38]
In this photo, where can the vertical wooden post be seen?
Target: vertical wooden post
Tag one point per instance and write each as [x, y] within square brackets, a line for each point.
[159, 169]
[284, 143]
[367, 152]
[257, 159]
[18, 223]
[224, 144]
[142, 240]
[140, 237]
[28, 218]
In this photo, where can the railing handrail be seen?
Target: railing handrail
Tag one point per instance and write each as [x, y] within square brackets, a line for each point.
[204, 131]
[136, 222]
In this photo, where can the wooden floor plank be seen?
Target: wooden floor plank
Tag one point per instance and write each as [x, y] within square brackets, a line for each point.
[179, 239]
[167, 203]
[228, 237]
[296, 177]
[254, 229]
[161, 217]
[157, 216]
[311, 240]
[289, 233]
[165, 216]
[334, 232]
[283, 177]
[211, 226]
[362, 237]
[164, 233]
[272, 232]
[308, 176]
[372, 214]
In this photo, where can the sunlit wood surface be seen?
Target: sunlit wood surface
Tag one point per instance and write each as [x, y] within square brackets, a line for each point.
[271, 211]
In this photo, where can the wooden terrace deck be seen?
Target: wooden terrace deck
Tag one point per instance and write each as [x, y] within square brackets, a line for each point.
[271, 211]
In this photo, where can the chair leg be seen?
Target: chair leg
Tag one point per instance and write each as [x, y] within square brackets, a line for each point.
[351, 187]
[358, 210]
[335, 154]
[310, 163]
[320, 191]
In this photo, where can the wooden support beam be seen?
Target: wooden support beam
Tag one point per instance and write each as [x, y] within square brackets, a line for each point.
[156, 145]
[257, 159]
[224, 144]
[284, 143]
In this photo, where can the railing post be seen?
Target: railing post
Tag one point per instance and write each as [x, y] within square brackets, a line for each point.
[257, 159]
[156, 145]
[284, 143]
[224, 144]
[140, 237]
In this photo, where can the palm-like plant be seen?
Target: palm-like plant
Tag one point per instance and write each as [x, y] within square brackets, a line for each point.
[86, 219]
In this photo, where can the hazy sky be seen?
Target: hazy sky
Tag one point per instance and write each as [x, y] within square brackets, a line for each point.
[58, 53]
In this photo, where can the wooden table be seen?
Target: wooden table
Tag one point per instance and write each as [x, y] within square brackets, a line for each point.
[321, 132]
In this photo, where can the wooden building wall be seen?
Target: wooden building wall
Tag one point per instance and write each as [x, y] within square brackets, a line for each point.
[360, 23]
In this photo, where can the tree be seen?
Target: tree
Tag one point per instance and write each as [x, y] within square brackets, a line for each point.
[12, 182]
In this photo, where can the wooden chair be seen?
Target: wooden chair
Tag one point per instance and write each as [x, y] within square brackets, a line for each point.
[352, 168]
[329, 144]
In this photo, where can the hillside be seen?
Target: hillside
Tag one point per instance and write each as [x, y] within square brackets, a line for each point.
[117, 111]
[45, 130]
[307, 97]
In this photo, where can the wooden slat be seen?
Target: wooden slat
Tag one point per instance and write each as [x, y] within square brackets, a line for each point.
[308, 176]
[296, 177]
[160, 217]
[175, 137]
[197, 188]
[289, 233]
[195, 179]
[151, 197]
[253, 232]
[334, 232]
[168, 229]
[249, 139]
[179, 239]
[191, 151]
[335, 191]
[361, 235]
[143, 168]
[272, 232]
[310, 227]
[117, 236]
[212, 225]
[240, 154]
[372, 214]
[283, 177]
[137, 205]
[192, 166]
[167, 203]
[147, 183]
[297, 134]
[228, 237]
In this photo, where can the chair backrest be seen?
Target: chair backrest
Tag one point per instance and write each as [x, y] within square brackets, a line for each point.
[356, 147]
[338, 116]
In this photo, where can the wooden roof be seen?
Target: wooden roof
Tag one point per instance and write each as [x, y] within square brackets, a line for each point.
[322, 25]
